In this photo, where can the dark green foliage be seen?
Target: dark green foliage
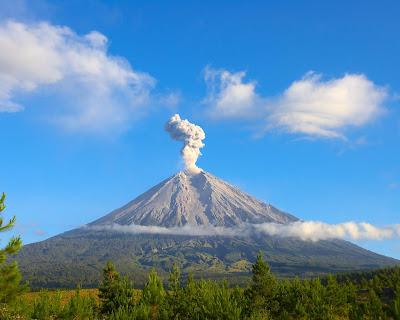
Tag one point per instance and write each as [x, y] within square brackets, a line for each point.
[48, 306]
[80, 307]
[114, 292]
[395, 308]
[207, 300]
[174, 296]
[10, 277]
[153, 293]
[140, 312]
[264, 290]
[373, 308]
[265, 298]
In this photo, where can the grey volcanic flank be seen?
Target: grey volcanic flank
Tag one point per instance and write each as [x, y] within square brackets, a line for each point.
[201, 199]
[196, 200]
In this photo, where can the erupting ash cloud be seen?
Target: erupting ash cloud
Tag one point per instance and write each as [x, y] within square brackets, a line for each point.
[191, 136]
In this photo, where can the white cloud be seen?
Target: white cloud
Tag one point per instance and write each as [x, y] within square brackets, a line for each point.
[39, 232]
[310, 106]
[23, 228]
[98, 91]
[304, 230]
[227, 95]
[316, 230]
[324, 108]
[186, 230]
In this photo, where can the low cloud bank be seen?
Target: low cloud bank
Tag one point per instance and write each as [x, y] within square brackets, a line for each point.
[316, 230]
[180, 231]
[304, 230]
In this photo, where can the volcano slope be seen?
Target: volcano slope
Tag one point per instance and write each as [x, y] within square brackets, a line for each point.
[197, 201]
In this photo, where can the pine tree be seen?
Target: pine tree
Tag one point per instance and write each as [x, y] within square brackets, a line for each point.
[187, 301]
[264, 290]
[395, 305]
[79, 306]
[317, 309]
[174, 297]
[373, 308]
[115, 293]
[174, 283]
[297, 298]
[10, 277]
[335, 297]
[153, 293]
[224, 304]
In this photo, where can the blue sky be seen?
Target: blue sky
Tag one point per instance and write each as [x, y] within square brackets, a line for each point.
[299, 101]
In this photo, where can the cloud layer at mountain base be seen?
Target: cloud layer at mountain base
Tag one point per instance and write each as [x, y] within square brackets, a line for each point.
[304, 230]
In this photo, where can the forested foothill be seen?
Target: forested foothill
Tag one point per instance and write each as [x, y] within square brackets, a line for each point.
[359, 295]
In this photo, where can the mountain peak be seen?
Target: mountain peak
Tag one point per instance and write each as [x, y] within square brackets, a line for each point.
[199, 199]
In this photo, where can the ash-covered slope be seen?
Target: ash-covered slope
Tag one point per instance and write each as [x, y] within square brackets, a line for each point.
[201, 199]
[77, 256]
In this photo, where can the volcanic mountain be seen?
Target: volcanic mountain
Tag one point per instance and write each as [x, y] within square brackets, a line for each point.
[202, 199]
[199, 200]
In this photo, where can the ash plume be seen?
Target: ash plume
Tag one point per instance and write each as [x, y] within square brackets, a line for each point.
[191, 135]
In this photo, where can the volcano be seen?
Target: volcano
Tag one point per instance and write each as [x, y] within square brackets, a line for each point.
[198, 200]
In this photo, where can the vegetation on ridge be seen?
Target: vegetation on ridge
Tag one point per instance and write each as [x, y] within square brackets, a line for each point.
[352, 297]
[76, 256]
[363, 295]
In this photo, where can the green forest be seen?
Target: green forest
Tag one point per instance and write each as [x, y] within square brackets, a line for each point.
[362, 295]
[359, 295]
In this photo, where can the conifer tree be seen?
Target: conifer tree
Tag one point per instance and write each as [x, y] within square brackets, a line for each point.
[79, 306]
[335, 297]
[373, 308]
[174, 296]
[188, 296]
[10, 277]
[174, 283]
[395, 306]
[115, 293]
[153, 293]
[264, 290]
[224, 304]
[317, 309]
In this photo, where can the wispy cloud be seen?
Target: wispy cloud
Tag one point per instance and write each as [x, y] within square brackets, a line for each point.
[186, 230]
[97, 91]
[39, 232]
[228, 95]
[310, 106]
[31, 227]
[304, 230]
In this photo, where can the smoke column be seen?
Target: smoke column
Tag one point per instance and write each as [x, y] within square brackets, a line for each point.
[191, 136]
